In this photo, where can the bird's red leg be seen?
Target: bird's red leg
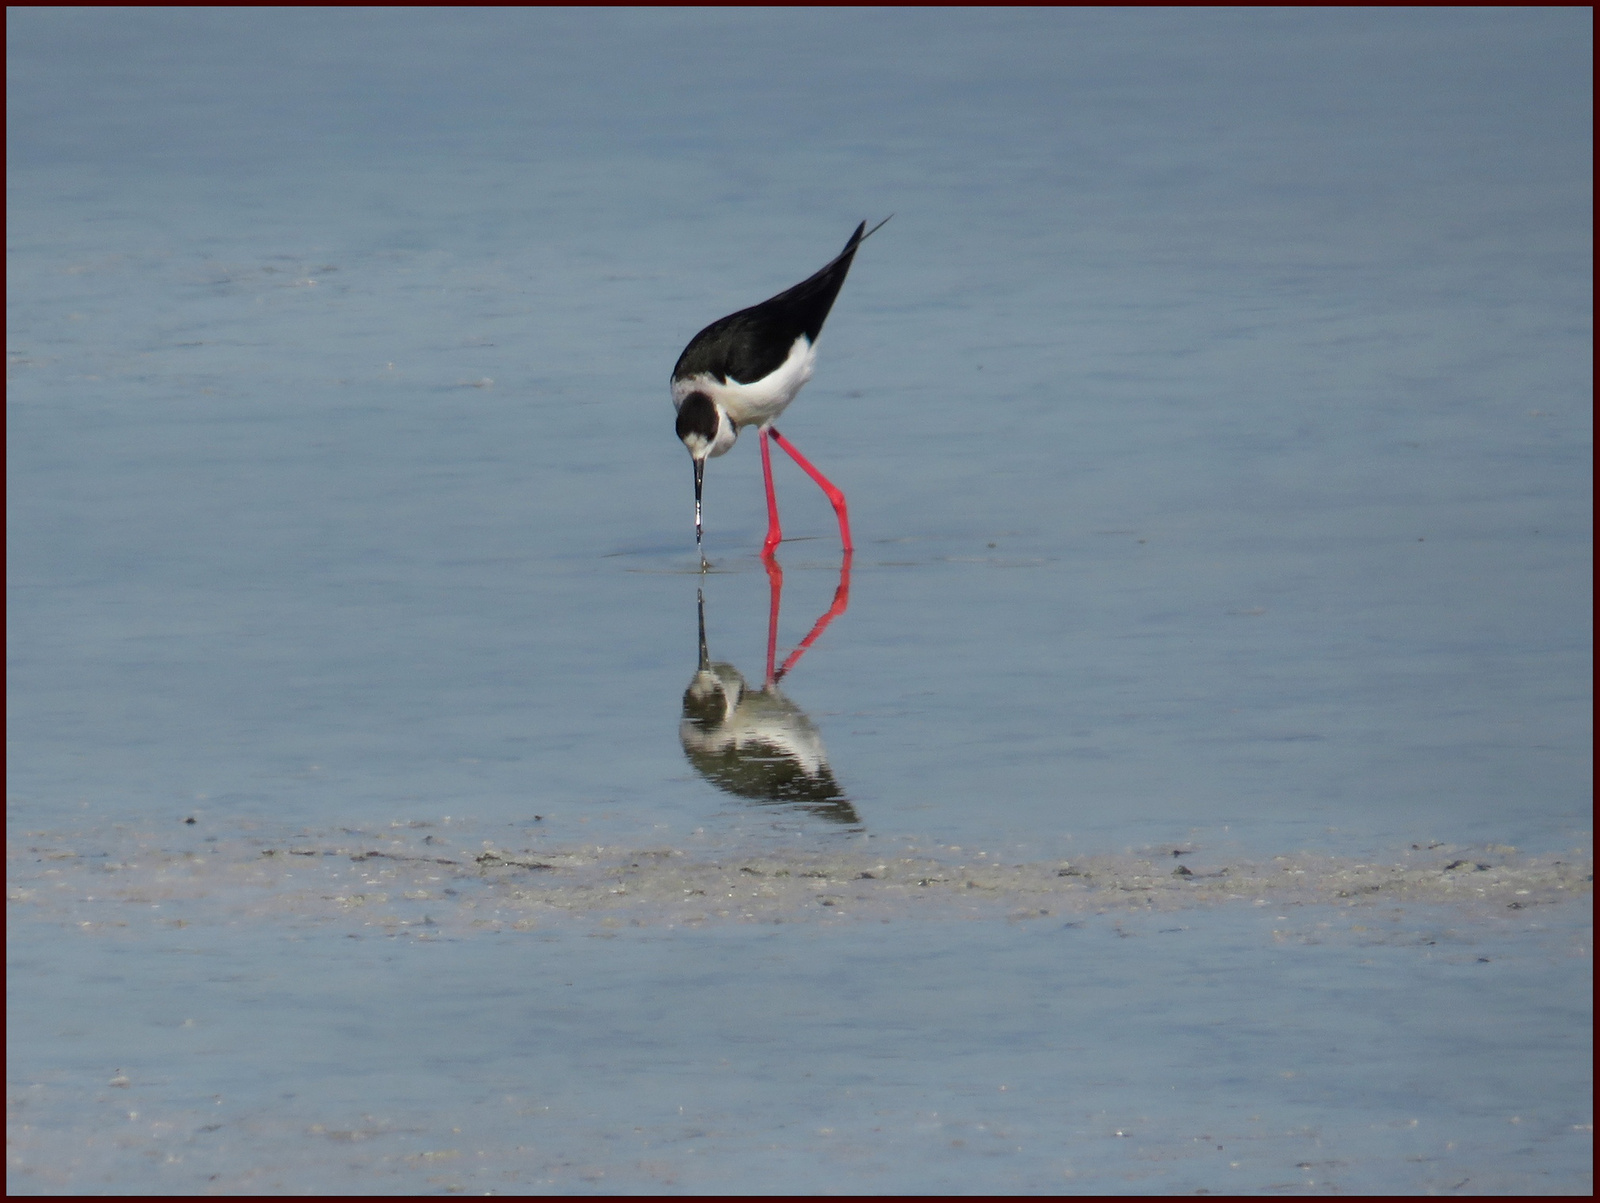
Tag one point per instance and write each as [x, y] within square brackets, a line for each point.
[774, 531]
[834, 495]
[841, 603]
[775, 594]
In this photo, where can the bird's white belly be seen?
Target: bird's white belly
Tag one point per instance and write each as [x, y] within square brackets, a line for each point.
[760, 401]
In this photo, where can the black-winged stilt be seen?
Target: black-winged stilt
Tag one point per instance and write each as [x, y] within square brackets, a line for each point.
[744, 369]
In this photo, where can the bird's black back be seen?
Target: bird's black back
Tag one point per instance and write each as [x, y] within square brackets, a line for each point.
[754, 342]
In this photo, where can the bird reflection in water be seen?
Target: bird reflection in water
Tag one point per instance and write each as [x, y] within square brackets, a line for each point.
[758, 744]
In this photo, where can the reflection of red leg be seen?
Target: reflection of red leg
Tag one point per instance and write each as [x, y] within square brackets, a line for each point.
[774, 532]
[775, 593]
[834, 495]
[841, 603]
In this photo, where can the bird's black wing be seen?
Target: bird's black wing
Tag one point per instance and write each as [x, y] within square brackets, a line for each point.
[753, 343]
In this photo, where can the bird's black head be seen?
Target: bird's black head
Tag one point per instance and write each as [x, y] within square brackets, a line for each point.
[697, 423]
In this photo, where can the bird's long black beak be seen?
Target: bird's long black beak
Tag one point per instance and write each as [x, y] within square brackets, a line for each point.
[699, 484]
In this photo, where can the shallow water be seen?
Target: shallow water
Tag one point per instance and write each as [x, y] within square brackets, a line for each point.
[919, 1057]
[395, 1010]
[1214, 414]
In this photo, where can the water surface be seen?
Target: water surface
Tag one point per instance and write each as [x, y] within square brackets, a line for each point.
[1214, 415]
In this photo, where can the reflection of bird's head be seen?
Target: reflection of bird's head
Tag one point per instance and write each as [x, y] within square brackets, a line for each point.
[705, 427]
[758, 744]
[712, 696]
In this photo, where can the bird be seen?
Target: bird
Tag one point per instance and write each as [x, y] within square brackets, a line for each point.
[744, 369]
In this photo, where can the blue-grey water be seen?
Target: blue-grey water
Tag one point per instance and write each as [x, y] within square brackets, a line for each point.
[1215, 418]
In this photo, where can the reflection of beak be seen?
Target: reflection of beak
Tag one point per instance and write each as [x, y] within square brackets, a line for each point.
[705, 656]
[699, 481]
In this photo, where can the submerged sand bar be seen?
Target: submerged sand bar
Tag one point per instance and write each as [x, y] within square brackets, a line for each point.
[428, 882]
